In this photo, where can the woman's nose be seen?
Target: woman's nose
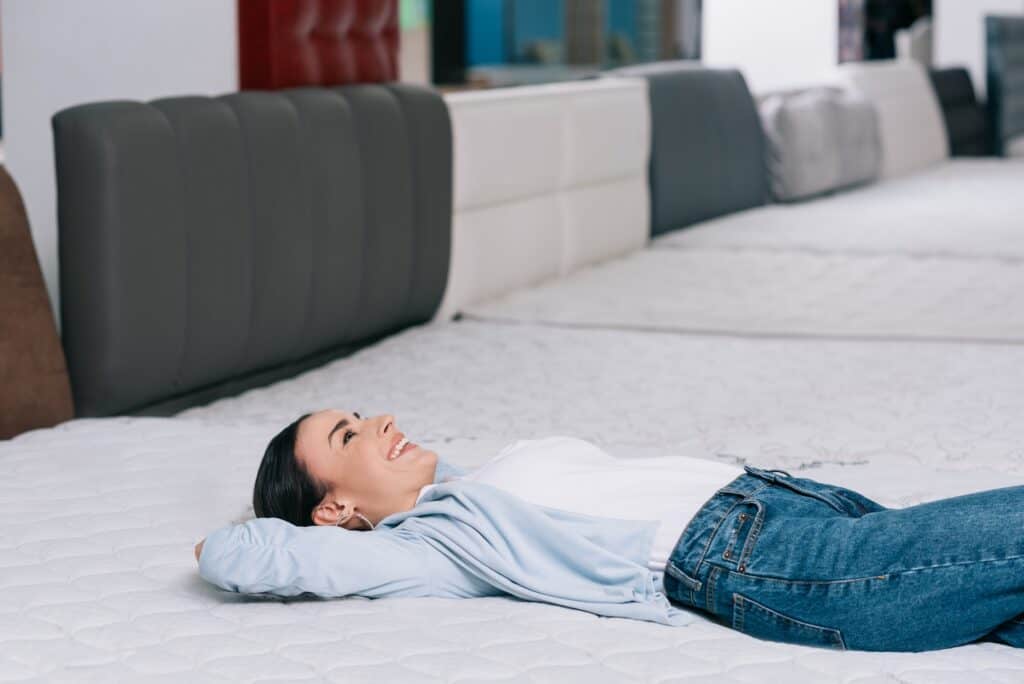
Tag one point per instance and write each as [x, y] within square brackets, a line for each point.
[387, 424]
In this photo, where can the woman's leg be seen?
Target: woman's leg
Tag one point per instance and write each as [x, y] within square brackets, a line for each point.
[1010, 633]
[818, 564]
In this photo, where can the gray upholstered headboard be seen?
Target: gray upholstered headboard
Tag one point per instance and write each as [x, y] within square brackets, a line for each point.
[707, 144]
[209, 245]
[1004, 41]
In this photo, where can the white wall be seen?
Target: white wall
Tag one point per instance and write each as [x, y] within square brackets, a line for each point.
[57, 53]
[959, 38]
[778, 44]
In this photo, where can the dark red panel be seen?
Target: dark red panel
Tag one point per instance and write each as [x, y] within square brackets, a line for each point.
[288, 43]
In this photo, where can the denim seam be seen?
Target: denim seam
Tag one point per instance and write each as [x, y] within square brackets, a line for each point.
[752, 537]
[955, 563]
[734, 536]
[807, 491]
[723, 490]
[710, 597]
[711, 538]
[781, 580]
[738, 612]
[885, 576]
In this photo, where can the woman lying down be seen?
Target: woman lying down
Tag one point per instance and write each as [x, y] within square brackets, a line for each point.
[347, 505]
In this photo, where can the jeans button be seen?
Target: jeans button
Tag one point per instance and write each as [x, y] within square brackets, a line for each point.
[726, 554]
[742, 568]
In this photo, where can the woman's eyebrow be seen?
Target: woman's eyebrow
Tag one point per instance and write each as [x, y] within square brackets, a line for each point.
[341, 423]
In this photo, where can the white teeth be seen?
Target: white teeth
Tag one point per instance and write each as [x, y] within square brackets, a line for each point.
[398, 448]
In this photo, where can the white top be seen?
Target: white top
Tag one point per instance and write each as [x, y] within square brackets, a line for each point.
[574, 475]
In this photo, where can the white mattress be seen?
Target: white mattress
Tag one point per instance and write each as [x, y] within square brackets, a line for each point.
[961, 208]
[97, 581]
[789, 401]
[752, 292]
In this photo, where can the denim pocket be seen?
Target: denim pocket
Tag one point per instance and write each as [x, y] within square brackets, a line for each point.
[741, 521]
[758, 620]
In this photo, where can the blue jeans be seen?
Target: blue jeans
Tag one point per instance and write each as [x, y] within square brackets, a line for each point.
[792, 559]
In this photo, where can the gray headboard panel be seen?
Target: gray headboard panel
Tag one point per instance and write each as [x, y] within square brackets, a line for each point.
[212, 244]
[1004, 47]
[966, 123]
[707, 144]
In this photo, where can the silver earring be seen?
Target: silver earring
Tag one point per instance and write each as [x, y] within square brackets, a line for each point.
[361, 517]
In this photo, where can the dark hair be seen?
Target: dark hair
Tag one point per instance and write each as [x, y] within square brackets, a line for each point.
[283, 488]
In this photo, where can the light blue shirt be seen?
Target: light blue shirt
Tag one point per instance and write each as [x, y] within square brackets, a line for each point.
[462, 539]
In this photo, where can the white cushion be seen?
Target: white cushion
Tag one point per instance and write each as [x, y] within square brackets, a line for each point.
[547, 179]
[912, 131]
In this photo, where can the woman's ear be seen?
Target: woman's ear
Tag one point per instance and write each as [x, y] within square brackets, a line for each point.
[332, 513]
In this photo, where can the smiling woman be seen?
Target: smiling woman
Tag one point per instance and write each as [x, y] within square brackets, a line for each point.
[338, 468]
[348, 506]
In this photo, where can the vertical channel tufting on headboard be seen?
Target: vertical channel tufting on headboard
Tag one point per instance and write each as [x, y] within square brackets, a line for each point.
[289, 43]
[212, 244]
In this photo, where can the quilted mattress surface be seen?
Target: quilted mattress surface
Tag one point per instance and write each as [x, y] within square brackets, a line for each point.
[97, 581]
[963, 207]
[793, 402]
[753, 292]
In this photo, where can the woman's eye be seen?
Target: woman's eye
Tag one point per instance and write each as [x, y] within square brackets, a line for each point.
[358, 417]
[348, 435]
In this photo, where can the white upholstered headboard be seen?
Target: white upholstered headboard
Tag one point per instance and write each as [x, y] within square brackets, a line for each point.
[547, 179]
[910, 120]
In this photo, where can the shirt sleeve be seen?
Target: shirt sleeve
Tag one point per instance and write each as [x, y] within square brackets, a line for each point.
[272, 556]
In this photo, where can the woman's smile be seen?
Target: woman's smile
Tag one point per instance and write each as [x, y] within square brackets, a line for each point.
[401, 446]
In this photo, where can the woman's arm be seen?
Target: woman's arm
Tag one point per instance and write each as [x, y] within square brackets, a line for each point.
[271, 556]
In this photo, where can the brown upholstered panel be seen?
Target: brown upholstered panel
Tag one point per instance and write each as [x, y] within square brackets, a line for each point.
[34, 387]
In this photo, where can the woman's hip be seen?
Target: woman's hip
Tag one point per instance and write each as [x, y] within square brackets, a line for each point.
[797, 560]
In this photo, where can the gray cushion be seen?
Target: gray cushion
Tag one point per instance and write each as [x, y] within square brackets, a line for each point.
[818, 141]
[707, 146]
[1004, 42]
[209, 244]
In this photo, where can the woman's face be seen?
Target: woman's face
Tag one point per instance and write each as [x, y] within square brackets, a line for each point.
[367, 464]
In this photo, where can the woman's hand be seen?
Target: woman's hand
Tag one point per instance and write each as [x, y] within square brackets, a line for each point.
[199, 549]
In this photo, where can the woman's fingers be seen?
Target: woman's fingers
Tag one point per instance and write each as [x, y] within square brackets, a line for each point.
[199, 549]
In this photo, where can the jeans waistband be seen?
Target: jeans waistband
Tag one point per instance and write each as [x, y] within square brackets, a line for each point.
[684, 574]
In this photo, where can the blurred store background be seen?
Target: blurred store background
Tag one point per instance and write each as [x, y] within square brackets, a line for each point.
[57, 53]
